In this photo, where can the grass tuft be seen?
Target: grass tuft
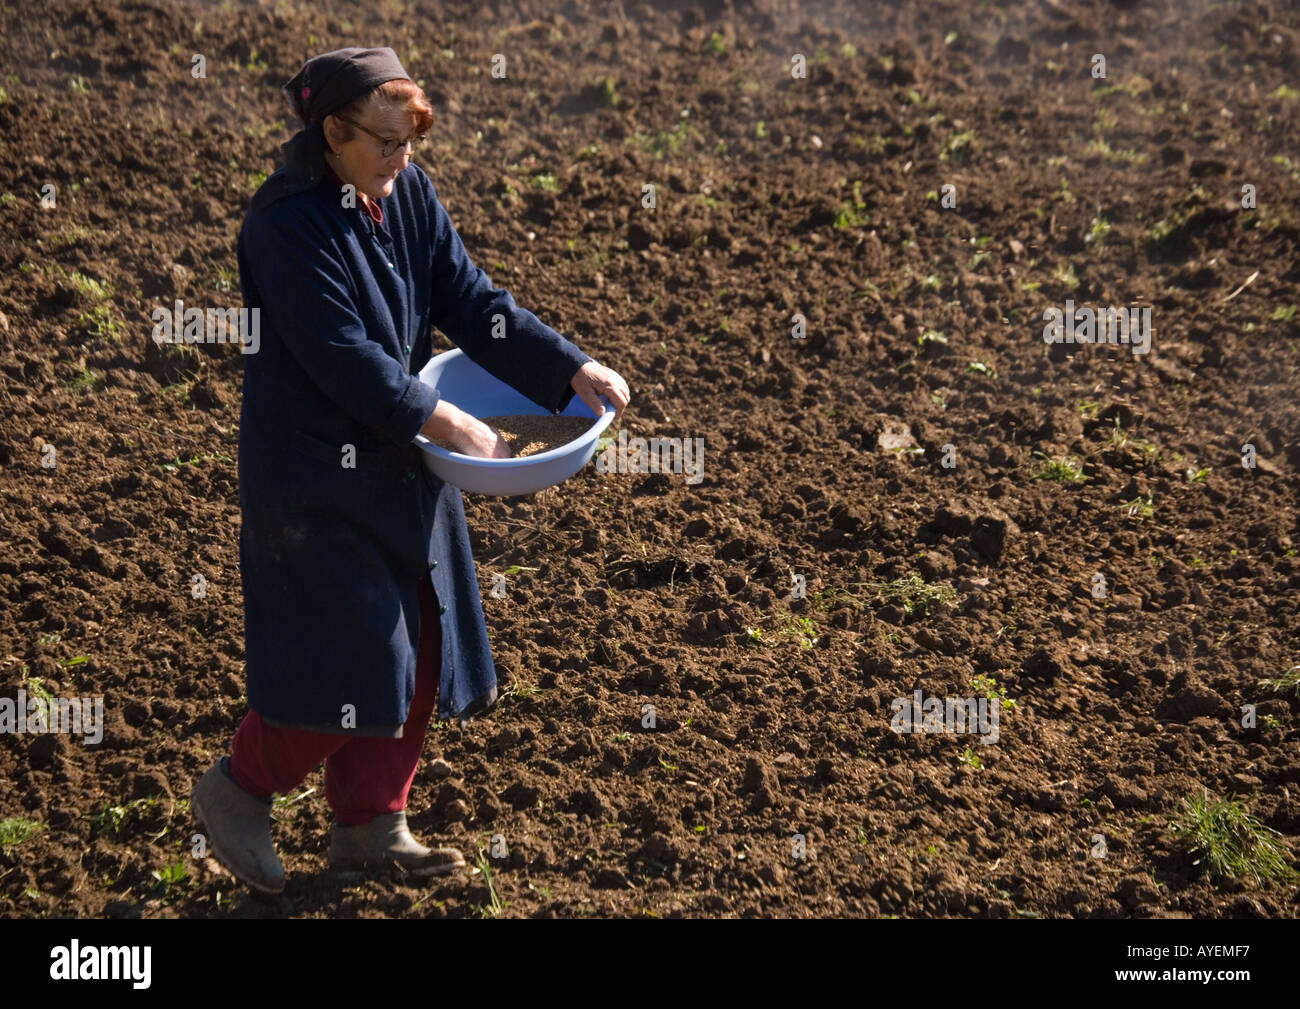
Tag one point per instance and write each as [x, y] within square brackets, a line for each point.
[1229, 842]
[1061, 469]
[958, 147]
[1139, 508]
[495, 905]
[913, 593]
[853, 214]
[1290, 680]
[14, 830]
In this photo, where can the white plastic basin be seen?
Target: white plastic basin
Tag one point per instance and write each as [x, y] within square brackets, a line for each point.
[469, 387]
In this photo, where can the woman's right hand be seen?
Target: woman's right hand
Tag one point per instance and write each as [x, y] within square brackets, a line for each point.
[473, 437]
[464, 433]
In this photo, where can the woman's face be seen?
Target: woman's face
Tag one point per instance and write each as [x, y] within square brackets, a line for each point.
[359, 160]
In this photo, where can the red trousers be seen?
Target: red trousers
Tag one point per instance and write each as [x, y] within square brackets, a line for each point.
[365, 776]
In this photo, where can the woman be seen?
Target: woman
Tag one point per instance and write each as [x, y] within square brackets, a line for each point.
[361, 604]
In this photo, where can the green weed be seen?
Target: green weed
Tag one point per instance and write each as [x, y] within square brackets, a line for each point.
[988, 686]
[1098, 230]
[854, 213]
[521, 690]
[90, 286]
[1066, 277]
[669, 141]
[1100, 147]
[1229, 842]
[1138, 449]
[282, 802]
[101, 323]
[175, 464]
[958, 147]
[803, 628]
[1290, 680]
[1133, 86]
[35, 687]
[1061, 469]
[1139, 508]
[15, 830]
[1105, 119]
[913, 593]
[170, 877]
[495, 905]
[112, 818]
[222, 279]
[1159, 233]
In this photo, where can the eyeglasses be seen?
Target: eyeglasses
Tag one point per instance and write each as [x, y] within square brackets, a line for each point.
[387, 146]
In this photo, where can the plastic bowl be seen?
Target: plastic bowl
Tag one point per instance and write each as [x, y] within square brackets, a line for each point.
[477, 392]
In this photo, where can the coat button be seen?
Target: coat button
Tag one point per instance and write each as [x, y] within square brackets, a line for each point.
[410, 474]
[433, 565]
[408, 348]
[442, 609]
[391, 266]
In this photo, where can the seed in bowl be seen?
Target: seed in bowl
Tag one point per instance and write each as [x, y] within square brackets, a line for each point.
[529, 434]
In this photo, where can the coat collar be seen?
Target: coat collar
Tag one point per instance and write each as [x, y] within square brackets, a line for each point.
[303, 169]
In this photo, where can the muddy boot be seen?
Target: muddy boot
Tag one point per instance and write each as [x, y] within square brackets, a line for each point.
[385, 842]
[238, 826]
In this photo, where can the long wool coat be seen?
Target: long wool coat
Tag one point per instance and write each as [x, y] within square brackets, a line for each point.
[331, 555]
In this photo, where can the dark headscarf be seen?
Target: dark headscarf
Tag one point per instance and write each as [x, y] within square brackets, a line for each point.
[324, 85]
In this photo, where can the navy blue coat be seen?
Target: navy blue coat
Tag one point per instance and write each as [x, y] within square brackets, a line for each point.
[330, 556]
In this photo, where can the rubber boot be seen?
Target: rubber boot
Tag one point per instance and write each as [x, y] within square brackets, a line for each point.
[384, 843]
[238, 826]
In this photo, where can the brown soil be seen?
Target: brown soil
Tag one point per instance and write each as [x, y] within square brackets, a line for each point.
[775, 196]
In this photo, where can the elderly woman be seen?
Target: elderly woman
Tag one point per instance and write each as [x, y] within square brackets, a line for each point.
[361, 605]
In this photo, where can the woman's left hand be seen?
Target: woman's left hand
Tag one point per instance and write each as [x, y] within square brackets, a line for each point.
[594, 380]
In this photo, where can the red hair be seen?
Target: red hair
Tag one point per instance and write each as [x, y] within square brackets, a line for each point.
[396, 92]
